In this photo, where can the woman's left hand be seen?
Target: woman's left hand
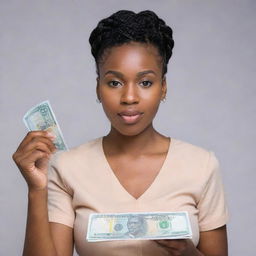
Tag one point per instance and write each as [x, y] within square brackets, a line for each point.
[179, 247]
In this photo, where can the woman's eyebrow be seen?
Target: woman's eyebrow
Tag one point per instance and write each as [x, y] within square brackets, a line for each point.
[142, 73]
[139, 74]
[116, 73]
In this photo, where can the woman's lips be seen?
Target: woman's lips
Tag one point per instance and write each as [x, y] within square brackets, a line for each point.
[130, 117]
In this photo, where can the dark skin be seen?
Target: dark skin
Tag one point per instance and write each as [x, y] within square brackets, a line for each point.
[134, 80]
[128, 147]
[128, 89]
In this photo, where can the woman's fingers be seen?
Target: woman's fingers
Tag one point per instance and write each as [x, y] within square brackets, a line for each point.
[166, 243]
[28, 162]
[175, 243]
[32, 157]
[34, 141]
[41, 143]
[178, 247]
[32, 135]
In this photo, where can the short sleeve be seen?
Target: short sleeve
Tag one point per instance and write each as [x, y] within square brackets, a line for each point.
[212, 204]
[60, 208]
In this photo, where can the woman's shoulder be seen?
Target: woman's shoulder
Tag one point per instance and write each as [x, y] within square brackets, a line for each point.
[189, 148]
[85, 151]
[194, 155]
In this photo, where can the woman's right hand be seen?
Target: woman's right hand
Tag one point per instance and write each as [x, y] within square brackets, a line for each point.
[32, 158]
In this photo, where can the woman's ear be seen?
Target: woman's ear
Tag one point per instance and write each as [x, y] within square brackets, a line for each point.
[164, 88]
[97, 88]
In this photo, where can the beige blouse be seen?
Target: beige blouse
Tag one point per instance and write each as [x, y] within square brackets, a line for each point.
[81, 182]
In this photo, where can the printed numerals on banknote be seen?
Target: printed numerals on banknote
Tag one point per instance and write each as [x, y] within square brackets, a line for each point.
[149, 225]
[42, 118]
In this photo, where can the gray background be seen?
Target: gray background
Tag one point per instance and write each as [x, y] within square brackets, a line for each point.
[45, 54]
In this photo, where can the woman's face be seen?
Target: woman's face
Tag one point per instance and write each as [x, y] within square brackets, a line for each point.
[130, 86]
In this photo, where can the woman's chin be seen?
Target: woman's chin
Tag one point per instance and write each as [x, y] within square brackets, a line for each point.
[129, 131]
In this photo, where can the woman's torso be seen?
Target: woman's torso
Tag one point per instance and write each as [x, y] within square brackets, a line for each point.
[95, 189]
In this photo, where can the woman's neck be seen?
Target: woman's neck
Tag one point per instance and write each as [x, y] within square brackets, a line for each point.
[147, 142]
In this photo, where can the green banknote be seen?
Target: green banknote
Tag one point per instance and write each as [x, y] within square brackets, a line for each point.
[139, 226]
[42, 118]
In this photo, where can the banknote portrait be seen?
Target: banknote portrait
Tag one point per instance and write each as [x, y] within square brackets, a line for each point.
[137, 227]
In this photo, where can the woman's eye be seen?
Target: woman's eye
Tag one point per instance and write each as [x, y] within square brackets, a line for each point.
[146, 83]
[114, 83]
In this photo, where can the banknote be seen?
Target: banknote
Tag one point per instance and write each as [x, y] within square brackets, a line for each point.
[42, 118]
[139, 226]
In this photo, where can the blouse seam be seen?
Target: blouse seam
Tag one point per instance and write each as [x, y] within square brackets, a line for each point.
[209, 179]
[61, 218]
[65, 185]
[214, 224]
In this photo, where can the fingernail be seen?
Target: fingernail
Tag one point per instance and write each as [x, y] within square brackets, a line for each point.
[49, 134]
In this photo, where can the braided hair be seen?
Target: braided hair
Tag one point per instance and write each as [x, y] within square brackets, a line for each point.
[126, 26]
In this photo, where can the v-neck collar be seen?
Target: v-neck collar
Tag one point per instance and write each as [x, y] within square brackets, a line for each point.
[118, 184]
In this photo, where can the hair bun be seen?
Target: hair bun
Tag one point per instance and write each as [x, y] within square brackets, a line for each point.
[125, 26]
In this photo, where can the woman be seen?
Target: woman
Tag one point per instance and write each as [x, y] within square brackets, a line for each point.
[133, 168]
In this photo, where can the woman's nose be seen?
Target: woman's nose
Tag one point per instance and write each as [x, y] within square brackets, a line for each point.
[129, 94]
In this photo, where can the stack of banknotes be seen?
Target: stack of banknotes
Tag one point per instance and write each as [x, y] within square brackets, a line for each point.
[139, 226]
[114, 226]
[42, 118]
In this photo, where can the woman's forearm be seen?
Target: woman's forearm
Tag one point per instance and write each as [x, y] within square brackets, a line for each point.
[38, 240]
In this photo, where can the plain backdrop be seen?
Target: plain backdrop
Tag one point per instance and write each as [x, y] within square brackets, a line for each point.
[45, 54]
